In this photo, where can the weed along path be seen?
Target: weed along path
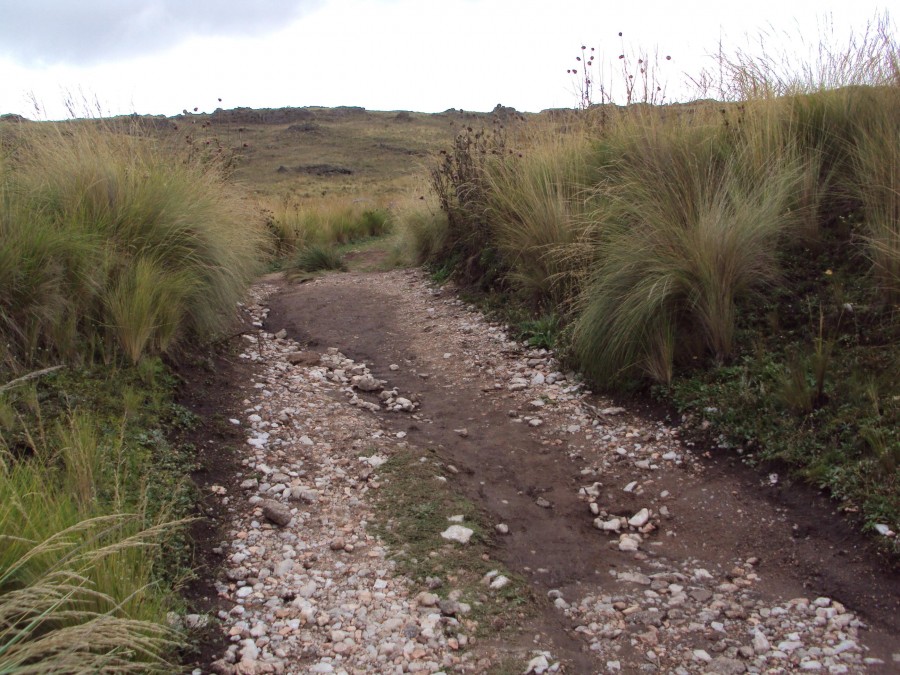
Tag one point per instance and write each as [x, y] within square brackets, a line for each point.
[386, 423]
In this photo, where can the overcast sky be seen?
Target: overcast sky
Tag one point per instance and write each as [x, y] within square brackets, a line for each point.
[162, 56]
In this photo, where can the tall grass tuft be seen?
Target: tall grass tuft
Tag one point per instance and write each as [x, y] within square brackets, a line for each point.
[876, 156]
[107, 240]
[422, 228]
[536, 203]
[687, 232]
[317, 258]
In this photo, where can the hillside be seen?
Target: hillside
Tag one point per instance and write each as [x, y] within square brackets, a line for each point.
[313, 151]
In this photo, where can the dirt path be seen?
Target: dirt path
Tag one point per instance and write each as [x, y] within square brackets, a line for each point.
[709, 567]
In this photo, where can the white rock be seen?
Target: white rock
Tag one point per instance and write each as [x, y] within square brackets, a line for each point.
[404, 404]
[760, 642]
[249, 650]
[374, 460]
[458, 533]
[366, 383]
[640, 518]
[499, 582]
[702, 655]
[611, 525]
[628, 543]
[539, 665]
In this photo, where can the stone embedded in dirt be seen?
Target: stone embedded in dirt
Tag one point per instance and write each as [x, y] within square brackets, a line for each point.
[702, 655]
[543, 503]
[535, 421]
[404, 404]
[366, 383]
[629, 543]
[374, 460]
[701, 574]
[611, 525]
[700, 594]
[634, 578]
[630, 487]
[591, 490]
[337, 544]
[426, 599]
[615, 410]
[280, 335]
[517, 384]
[502, 528]
[640, 518]
[303, 358]
[276, 512]
[393, 366]
[540, 664]
[760, 642]
[499, 582]
[727, 666]
[462, 432]
[458, 533]
[284, 567]
[301, 494]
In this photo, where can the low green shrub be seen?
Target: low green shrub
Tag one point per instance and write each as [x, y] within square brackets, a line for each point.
[84, 584]
[317, 258]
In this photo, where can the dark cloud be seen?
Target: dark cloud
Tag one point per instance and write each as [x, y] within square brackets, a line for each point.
[89, 31]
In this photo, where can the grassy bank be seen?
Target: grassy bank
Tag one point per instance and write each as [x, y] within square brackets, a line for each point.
[738, 259]
[114, 255]
[310, 234]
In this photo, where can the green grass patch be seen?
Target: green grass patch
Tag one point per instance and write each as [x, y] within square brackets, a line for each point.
[92, 548]
[813, 385]
[412, 510]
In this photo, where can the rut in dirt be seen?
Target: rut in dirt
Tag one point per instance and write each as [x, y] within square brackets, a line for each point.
[531, 483]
